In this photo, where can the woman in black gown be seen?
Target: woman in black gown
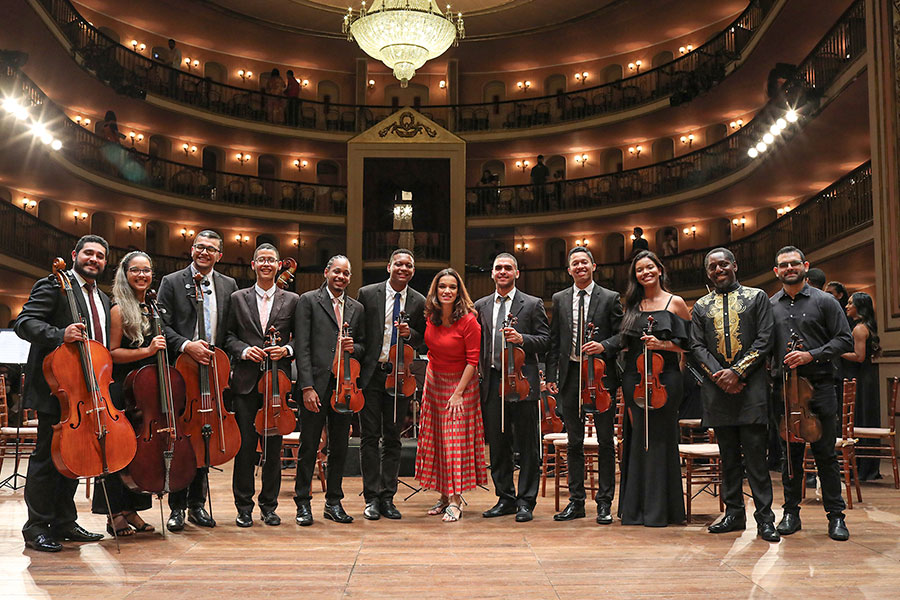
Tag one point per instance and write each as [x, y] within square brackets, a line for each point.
[650, 491]
[131, 347]
[858, 365]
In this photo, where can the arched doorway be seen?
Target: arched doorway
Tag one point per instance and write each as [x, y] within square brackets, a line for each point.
[48, 211]
[497, 167]
[414, 95]
[715, 132]
[614, 248]
[662, 58]
[327, 172]
[611, 160]
[157, 242]
[554, 84]
[667, 241]
[764, 216]
[663, 149]
[611, 73]
[557, 166]
[104, 225]
[215, 71]
[719, 232]
[556, 253]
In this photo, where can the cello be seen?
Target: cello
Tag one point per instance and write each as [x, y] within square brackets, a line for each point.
[513, 384]
[287, 275]
[798, 423]
[593, 370]
[347, 398]
[401, 355]
[165, 460]
[649, 393]
[550, 421]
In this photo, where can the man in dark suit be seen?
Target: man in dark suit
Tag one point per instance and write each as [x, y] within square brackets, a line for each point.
[380, 419]
[316, 328]
[46, 322]
[253, 311]
[180, 318]
[573, 308]
[519, 417]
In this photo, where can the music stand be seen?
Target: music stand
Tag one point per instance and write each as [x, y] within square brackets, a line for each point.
[14, 351]
[417, 368]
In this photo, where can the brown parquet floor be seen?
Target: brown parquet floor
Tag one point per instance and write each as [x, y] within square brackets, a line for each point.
[420, 557]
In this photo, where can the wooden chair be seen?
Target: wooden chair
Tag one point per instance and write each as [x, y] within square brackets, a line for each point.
[26, 435]
[291, 444]
[702, 467]
[886, 436]
[692, 431]
[548, 458]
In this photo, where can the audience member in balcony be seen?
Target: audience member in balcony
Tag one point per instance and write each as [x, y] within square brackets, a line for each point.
[539, 175]
[275, 87]
[171, 56]
[488, 184]
[125, 161]
[670, 242]
[639, 243]
[816, 278]
[292, 93]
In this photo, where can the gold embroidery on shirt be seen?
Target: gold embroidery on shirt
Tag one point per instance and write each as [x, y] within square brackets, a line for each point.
[738, 301]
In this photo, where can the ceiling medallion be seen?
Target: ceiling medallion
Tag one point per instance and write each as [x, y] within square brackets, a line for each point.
[403, 34]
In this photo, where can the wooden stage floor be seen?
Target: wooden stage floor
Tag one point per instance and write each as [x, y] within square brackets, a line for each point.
[420, 557]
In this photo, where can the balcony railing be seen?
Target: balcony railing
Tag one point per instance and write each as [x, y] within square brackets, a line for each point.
[128, 165]
[837, 211]
[681, 79]
[840, 47]
[426, 245]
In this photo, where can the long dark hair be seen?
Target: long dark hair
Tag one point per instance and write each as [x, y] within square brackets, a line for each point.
[865, 310]
[461, 306]
[634, 295]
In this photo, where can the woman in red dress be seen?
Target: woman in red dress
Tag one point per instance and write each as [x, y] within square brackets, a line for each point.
[450, 457]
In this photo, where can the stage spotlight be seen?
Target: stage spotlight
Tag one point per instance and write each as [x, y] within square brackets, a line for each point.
[752, 153]
[781, 123]
[768, 138]
[56, 145]
[761, 147]
[791, 116]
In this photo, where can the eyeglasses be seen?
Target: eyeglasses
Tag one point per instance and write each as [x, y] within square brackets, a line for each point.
[140, 270]
[208, 249]
[265, 260]
[790, 263]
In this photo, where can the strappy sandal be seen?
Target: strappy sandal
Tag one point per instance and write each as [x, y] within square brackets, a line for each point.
[119, 532]
[439, 507]
[143, 527]
[452, 513]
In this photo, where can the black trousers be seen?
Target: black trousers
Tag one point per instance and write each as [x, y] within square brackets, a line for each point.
[824, 405]
[749, 442]
[606, 459]
[243, 481]
[380, 466]
[522, 432]
[49, 495]
[311, 425]
[195, 494]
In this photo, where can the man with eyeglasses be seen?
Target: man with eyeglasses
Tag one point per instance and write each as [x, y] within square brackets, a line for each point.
[180, 318]
[816, 317]
[253, 311]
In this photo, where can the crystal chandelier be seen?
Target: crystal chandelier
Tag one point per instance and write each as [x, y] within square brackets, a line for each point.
[403, 34]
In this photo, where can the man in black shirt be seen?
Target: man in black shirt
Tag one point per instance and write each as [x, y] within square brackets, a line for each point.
[816, 317]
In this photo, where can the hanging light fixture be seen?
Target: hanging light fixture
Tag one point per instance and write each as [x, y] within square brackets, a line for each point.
[403, 34]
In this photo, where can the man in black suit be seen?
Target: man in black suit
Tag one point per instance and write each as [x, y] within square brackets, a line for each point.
[573, 308]
[520, 416]
[179, 314]
[380, 419]
[253, 311]
[316, 330]
[46, 322]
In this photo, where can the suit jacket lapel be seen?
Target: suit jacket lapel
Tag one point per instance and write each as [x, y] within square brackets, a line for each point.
[188, 290]
[218, 283]
[82, 305]
[277, 302]
[328, 305]
[253, 309]
[595, 306]
[518, 304]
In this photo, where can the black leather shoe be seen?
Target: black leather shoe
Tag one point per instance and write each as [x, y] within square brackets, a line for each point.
[77, 533]
[524, 514]
[244, 519]
[389, 511]
[604, 517]
[790, 523]
[837, 529]
[728, 523]
[372, 511]
[270, 518]
[573, 510]
[199, 516]
[176, 520]
[498, 510]
[304, 515]
[336, 513]
[43, 542]
[768, 532]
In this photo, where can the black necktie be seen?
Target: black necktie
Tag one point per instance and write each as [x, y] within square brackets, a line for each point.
[498, 333]
[579, 341]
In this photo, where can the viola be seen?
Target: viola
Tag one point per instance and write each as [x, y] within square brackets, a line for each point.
[593, 369]
[347, 398]
[287, 275]
[213, 431]
[275, 417]
[649, 393]
[165, 460]
[798, 423]
[400, 381]
[550, 421]
[92, 437]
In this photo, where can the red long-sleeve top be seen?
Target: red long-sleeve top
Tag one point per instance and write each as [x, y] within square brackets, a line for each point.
[451, 348]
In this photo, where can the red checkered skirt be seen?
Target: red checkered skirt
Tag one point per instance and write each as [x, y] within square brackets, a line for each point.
[450, 454]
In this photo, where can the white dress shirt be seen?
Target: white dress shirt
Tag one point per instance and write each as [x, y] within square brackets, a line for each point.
[388, 317]
[101, 312]
[587, 310]
[496, 309]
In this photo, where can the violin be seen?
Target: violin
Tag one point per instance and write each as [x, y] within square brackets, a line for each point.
[798, 423]
[550, 421]
[593, 369]
[347, 397]
[93, 437]
[165, 460]
[287, 275]
[213, 431]
[649, 393]
[275, 417]
[513, 384]
[400, 381]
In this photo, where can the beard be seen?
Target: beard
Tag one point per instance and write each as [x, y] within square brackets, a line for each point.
[79, 268]
[792, 279]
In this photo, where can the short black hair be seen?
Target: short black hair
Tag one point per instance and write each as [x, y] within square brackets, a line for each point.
[209, 233]
[402, 251]
[577, 249]
[788, 250]
[816, 278]
[91, 239]
[540, 157]
[728, 254]
[840, 287]
[638, 231]
[505, 255]
[266, 246]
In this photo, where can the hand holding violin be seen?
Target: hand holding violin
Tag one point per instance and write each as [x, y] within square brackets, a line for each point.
[654, 343]
[512, 336]
[347, 344]
[276, 352]
[402, 329]
[199, 351]
[593, 347]
[255, 353]
[797, 358]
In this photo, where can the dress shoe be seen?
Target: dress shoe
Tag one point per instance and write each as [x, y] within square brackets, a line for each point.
[389, 511]
[77, 533]
[524, 514]
[573, 510]
[336, 513]
[270, 518]
[43, 542]
[244, 519]
[604, 517]
[372, 511]
[199, 516]
[768, 532]
[304, 515]
[837, 529]
[176, 520]
[729, 523]
[790, 523]
[498, 510]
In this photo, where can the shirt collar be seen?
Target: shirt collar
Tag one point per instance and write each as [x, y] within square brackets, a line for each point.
[511, 295]
[269, 292]
[389, 291]
[804, 291]
[730, 288]
[332, 296]
[589, 289]
[209, 275]
[80, 279]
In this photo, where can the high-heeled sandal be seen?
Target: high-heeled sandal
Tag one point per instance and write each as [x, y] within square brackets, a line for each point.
[143, 527]
[452, 513]
[119, 532]
[439, 507]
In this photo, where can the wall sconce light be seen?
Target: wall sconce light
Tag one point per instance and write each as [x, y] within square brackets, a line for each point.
[523, 247]
[28, 204]
[582, 77]
[442, 84]
[635, 151]
[191, 64]
[135, 137]
[301, 163]
[688, 139]
[79, 215]
[691, 231]
[522, 164]
[242, 157]
[523, 85]
[581, 159]
[371, 84]
[295, 242]
[685, 49]
[241, 239]
[739, 222]
[133, 225]
[187, 233]
[583, 242]
[783, 211]
[189, 149]
[245, 75]
[137, 46]
[635, 66]
[305, 83]
[736, 124]
[83, 121]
